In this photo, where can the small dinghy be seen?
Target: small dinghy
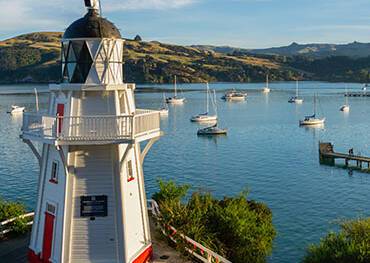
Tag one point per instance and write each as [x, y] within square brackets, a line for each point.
[16, 109]
[211, 131]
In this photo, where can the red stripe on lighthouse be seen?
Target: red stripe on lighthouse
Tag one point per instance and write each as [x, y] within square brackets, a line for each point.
[145, 256]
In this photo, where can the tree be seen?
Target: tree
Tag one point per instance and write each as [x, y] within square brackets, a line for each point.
[236, 228]
[351, 244]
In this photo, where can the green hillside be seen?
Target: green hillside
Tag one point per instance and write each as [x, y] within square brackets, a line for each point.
[35, 58]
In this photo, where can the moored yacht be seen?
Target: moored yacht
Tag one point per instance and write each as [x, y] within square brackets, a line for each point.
[267, 88]
[206, 117]
[345, 107]
[164, 110]
[313, 119]
[234, 96]
[16, 109]
[175, 99]
[296, 99]
[212, 131]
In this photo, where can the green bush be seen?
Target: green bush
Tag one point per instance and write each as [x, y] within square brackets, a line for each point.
[236, 228]
[351, 244]
[10, 210]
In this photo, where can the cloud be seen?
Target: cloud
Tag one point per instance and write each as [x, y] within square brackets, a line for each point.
[33, 15]
[114, 5]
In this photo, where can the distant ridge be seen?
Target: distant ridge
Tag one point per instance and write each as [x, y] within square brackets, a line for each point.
[353, 50]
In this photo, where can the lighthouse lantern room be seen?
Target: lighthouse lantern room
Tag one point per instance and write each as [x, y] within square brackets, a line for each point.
[91, 204]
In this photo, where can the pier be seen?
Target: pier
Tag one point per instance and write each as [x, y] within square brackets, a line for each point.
[328, 157]
[358, 94]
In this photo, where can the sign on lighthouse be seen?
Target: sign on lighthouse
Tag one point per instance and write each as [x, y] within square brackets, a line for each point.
[91, 204]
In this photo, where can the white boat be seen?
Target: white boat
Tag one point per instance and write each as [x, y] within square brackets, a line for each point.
[16, 109]
[212, 131]
[267, 88]
[205, 117]
[313, 119]
[175, 99]
[164, 110]
[296, 99]
[345, 107]
[234, 96]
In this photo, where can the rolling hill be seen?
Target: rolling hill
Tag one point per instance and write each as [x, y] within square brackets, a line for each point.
[34, 58]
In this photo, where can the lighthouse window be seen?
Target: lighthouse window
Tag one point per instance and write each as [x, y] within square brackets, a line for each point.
[130, 174]
[54, 172]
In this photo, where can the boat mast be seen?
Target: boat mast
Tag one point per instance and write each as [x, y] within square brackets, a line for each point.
[37, 100]
[267, 81]
[207, 95]
[296, 89]
[314, 104]
[175, 86]
[215, 101]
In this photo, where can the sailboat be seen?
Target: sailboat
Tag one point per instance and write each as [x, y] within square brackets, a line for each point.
[16, 109]
[175, 99]
[205, 117]
[345, 107]
[312, 120]
[266, 89]
[213, 130]
[164, 110]
[296, 99]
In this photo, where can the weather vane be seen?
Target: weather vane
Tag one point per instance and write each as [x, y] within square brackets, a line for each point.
[94, 5]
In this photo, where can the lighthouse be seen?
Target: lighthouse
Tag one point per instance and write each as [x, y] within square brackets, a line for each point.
[91, 144]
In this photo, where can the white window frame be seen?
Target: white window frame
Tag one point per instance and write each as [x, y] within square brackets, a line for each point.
[54, 173]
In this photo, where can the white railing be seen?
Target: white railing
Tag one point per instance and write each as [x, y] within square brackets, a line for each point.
[91, 128]
[5, 228]
[39, 125]
[195, 249]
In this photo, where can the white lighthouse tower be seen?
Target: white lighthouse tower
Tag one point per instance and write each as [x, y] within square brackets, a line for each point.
[91, 204]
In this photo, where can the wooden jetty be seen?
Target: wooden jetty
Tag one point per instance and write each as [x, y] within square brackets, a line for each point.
[328, 157]
[358, 94]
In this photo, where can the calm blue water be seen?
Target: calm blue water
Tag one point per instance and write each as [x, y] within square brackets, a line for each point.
[265, 151]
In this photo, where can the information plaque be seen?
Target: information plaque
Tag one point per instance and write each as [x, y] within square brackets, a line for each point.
[94, 206]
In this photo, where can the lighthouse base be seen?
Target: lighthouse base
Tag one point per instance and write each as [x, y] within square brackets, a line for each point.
[34, 258]
[145, 257]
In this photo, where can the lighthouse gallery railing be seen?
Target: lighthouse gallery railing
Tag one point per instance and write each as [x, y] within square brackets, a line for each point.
[91, 128]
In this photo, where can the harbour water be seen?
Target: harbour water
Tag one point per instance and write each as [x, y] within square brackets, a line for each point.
[265, 151]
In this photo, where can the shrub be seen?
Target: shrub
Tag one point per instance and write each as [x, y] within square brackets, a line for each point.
[10, 210]
[236, 228]
[351, 244]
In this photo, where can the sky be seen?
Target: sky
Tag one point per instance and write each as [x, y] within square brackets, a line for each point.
[238, 23]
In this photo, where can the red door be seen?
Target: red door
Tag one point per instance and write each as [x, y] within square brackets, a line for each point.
[48, 237]
[60, 113]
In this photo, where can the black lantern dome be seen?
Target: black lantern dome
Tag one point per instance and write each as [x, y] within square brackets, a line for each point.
[92, 25]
